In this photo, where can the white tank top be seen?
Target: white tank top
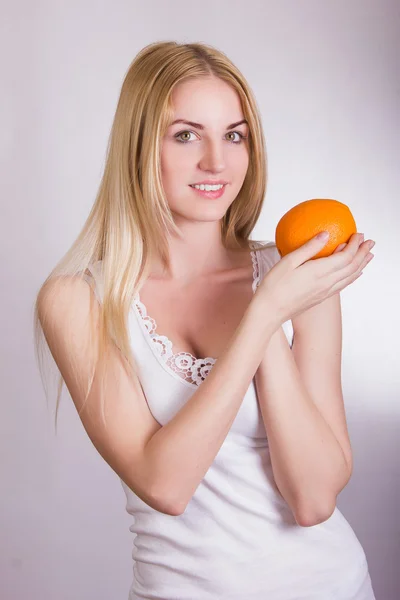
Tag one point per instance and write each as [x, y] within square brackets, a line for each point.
[237, 538]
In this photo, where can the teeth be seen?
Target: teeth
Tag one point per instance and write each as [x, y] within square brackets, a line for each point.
[208, 188]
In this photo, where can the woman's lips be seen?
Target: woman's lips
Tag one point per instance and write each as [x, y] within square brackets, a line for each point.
[210, 194]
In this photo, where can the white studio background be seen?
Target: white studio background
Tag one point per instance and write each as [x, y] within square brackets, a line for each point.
[326, 75]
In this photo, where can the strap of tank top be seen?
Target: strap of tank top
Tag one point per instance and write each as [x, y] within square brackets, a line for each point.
[268, 257]
[94, 279]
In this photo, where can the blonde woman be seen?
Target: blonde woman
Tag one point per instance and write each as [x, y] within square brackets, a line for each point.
[197, 357]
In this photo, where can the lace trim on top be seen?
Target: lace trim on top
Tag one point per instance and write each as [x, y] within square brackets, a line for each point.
[188, 367]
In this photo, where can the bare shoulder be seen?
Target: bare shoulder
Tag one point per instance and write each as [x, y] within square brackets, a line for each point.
[69, 313]
[65, 310]
[63, 296]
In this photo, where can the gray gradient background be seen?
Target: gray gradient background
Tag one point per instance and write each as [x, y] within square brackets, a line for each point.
[327, 80]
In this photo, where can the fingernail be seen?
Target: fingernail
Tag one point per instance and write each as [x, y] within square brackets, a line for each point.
[324, 235]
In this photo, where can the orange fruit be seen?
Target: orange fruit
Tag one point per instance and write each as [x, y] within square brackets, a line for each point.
[307, 219]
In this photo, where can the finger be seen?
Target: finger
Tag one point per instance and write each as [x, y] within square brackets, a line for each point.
[359, 260]
[340, 285]
[343, 283]
[339, 248]
[340, 260]
[309, 249]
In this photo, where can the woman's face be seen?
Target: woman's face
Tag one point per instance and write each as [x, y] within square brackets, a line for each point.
[191, 154]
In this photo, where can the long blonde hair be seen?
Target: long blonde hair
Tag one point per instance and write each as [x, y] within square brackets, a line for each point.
[130, 219]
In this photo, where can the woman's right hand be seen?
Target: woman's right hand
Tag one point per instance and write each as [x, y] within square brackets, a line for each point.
[296, 283]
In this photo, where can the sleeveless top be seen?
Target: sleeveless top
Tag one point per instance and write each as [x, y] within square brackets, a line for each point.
[237, 538]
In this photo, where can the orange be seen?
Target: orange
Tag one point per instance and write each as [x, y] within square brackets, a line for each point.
[307, 219]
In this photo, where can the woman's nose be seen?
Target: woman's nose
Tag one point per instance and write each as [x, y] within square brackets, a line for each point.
[213, 157]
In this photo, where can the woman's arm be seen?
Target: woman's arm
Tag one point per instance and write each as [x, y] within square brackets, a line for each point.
[301, 402]
[163, 465]
[310, 465]
[181, 452]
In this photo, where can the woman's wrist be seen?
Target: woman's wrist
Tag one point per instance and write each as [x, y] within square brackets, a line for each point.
[269, 316]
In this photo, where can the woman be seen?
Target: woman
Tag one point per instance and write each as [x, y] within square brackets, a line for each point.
[231, 443]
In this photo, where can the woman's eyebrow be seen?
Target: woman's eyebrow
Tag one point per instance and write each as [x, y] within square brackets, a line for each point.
[200, 126]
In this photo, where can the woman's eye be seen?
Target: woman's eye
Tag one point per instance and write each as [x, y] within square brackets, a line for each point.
[188, 133]
[183, 133]
[241, 137]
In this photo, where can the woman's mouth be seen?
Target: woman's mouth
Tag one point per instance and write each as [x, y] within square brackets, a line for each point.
[211, 194]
